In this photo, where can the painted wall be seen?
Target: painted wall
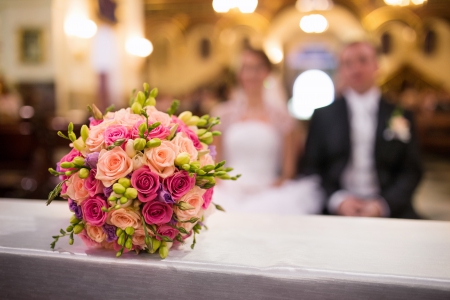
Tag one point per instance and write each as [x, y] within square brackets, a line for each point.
[16, 15]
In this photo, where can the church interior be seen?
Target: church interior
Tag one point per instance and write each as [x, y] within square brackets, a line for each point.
[58, 56]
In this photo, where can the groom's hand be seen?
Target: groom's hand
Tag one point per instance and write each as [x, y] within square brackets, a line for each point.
[351, 207]
[372, 208]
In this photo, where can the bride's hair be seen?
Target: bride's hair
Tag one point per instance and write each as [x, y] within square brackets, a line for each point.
[261, 54]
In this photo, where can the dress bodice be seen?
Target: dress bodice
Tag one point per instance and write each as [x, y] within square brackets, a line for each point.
[253, 148]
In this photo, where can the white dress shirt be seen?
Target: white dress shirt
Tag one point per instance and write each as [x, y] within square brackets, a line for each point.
[359, 178]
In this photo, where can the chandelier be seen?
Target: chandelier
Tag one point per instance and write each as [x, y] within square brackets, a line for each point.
[404, 2]
[244, 6]
[313, 22]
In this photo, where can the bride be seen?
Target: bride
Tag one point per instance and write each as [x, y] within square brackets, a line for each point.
[257, 141]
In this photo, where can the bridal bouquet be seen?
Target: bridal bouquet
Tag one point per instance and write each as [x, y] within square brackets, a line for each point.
[138, 178]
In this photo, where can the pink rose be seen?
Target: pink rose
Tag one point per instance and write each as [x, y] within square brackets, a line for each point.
[161, 159]
[93, 122]
[75, 189]
[112, 165]
[207, 197]
[166, 230]
[179, 184]
[185, 145]
[146, 183]
[155, 212]
[161, 132]
[195, 198]
[189, 133]
[124, 218]
[67, 158]
[114, 133]
[92, 211]
[95, 233]
[92, 185]
[95, 140]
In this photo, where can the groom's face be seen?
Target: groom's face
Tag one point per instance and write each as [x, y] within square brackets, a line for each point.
[359, 67]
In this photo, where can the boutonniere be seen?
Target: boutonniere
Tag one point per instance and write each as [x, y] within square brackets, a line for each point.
[398, 127]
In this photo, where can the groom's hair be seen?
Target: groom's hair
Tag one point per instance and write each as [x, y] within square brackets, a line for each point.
[370, 45]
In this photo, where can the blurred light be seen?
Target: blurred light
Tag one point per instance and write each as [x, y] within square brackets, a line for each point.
[314, 23]
[221, 6]
[28, 184]
[26, 112]
[247, 6]
[312, 89]
[404, 2]
[139, 47]
[310, 5]
[79, 27]
[59, 123]
[244, 6]
[275, 54]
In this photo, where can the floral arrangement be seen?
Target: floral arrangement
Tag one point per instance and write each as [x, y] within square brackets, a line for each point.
[398, 127]
[138, 178]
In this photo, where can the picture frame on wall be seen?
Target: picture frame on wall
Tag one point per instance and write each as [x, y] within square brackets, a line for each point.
[31, 45]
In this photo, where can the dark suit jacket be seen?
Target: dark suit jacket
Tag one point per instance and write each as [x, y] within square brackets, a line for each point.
[328, 150]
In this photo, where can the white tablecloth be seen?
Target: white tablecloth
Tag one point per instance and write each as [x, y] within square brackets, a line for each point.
[239, 257]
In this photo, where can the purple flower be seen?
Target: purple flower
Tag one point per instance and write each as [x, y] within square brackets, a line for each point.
[164, 196]
[107, 191]
[76, 209]
[179, 184]
[212, 151]
[110, 231]
[92, 160]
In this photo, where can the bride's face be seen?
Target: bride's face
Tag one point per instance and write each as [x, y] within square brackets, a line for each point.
[253, 71]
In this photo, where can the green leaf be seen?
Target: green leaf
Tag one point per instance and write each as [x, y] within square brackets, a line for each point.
[182, 230]
[173, 107]
[148, 239]
[109, 108]
[56, 191]
[194, 242]
[62, 231]
[218, 207]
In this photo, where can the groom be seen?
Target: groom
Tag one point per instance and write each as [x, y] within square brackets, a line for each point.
[363, 148]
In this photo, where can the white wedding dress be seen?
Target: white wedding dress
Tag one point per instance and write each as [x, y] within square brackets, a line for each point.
[254, 149]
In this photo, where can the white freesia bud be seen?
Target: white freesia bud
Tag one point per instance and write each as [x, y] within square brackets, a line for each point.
[138, 160]
[185, 116]
[129, 149]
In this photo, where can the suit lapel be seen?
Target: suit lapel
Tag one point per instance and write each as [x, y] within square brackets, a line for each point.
[384, 113]
[344, 114]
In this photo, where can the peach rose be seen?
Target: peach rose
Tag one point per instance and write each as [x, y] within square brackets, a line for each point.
[138, 237]
[95, 233]
[188, 225]
[112, 165]
[161, 159]
[76, 190]
[126, 118]
[158, 116]
[206, 159]
[124, 218]
[195, 198]
[95, 140]
[185, 145]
